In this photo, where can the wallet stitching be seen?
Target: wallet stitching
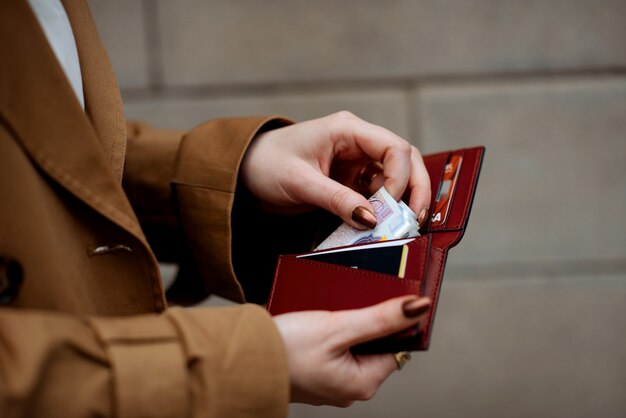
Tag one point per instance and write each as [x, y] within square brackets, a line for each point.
[423, 243]
[468, 197]
[436, 287]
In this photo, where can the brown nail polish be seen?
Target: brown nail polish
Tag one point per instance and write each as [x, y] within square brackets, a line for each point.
[422, 216]
[415, 308]
[369, 173]
[364, 216]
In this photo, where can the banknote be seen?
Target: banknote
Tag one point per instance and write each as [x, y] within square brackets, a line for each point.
[394, 220]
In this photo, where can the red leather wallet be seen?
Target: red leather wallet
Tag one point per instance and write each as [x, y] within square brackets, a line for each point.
[302, 284]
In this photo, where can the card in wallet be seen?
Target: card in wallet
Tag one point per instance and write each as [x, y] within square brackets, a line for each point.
[301, 283]
[384, 257]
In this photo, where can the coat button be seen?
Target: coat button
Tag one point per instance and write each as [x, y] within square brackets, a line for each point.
[10, 279]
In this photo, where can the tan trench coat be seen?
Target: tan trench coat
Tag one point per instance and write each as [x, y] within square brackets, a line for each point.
[87, 332]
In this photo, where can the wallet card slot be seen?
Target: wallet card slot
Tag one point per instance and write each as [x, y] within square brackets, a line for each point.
[342, 269]
[464, 189]
[435, 165]
[312, 285]
[414, 263]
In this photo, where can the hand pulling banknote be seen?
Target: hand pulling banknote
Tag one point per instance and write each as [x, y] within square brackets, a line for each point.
[394, 220]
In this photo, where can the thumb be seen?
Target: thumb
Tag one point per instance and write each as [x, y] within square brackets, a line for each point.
[344, 202]
[386, 318]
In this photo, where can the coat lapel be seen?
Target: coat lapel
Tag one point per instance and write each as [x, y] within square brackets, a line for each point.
[103, 103]
[38, 104]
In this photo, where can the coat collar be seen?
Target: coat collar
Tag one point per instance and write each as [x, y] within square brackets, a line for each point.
[38, 104]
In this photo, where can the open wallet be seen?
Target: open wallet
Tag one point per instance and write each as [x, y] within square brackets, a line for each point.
[304, 283]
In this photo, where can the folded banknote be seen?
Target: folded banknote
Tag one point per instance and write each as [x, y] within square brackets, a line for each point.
[394, 220]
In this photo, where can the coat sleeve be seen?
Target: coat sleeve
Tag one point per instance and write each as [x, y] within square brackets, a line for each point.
[167, 365]
[184, 189]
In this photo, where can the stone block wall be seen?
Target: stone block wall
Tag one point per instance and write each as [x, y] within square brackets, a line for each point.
[531, 320]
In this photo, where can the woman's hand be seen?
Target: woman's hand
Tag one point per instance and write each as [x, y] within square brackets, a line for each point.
[322, 369]
[317, 164]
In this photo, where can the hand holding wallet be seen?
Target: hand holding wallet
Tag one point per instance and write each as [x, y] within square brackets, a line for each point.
[301, 283]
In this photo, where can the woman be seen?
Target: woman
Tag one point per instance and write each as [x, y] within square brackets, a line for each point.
[86, 202]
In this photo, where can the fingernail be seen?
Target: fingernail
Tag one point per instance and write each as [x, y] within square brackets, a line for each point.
[422, 216]
[415, 308]
[369, 173]
[364, 216]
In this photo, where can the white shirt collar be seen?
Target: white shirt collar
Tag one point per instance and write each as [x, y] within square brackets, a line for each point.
[56, 25]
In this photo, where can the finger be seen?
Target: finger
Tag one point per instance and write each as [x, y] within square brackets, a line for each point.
[319, 190]
[374, 369]
[386, 318]
[381, 145]
[419, 187]
[363, 175]
[349, 173]
[377, 365]
[377, 183]
[370, 178]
